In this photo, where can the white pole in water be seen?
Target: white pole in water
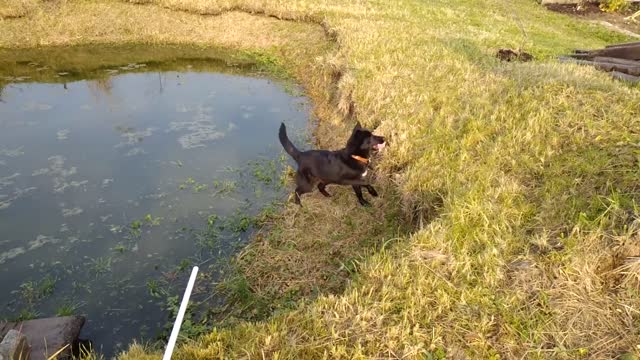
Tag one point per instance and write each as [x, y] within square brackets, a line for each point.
[183, 308]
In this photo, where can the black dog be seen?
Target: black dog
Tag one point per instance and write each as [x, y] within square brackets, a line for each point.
[347, 166]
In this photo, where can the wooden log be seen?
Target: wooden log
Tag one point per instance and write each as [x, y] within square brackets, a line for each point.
[567, 59]
[582, 56]
[616, 61]
[631, 70]
[627, 69]
[630, 52]
[625, 77]
[623, 44]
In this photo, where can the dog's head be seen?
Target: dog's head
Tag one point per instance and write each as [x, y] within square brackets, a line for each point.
[362, 141]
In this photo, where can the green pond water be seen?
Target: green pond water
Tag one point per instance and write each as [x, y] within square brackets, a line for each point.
[120, 169]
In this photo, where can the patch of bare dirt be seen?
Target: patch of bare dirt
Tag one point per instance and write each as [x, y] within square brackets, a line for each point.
[592, 12]
[513, 55]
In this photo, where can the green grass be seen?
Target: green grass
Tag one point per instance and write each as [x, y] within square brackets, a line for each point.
[224, 187]
[26, 314]
[100, 266]
[155, 289]
[68, 309]
[33, 291]
[508, 220]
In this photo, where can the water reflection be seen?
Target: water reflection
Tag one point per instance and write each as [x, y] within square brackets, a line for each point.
[107, 185]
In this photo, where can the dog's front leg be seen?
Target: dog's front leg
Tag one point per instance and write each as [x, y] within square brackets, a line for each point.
[323, 189]
[296, 198]
[371, 190]
[358, 190]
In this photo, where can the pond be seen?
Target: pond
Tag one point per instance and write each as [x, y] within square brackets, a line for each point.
[117, 178]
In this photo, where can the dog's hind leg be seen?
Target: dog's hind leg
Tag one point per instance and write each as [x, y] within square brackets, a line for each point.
[303, 186]
[323, 189]
[371, 190]
[358, 190]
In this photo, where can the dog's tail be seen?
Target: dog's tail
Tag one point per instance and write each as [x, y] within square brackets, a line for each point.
[286, 143]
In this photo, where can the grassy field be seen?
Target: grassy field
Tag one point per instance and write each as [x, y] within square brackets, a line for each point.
[508, 222]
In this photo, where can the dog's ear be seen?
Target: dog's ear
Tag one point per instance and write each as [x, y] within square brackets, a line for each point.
[357, 127]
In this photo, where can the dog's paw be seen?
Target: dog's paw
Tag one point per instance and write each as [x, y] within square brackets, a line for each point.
[365, 203]
[373, 192]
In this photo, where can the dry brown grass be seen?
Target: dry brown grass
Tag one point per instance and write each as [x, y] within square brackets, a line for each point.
[12, 9]
[316, 249]
[108, 22]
